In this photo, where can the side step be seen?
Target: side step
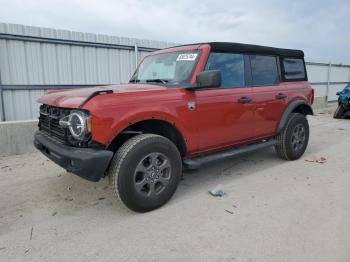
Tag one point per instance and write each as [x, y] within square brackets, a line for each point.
[197, 162]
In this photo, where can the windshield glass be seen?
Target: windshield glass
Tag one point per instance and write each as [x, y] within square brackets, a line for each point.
[173, 68]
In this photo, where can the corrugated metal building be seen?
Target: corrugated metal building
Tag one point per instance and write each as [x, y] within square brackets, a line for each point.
[34, 59]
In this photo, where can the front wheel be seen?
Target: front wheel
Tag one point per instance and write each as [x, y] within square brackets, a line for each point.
[145, 172]
[293, 140]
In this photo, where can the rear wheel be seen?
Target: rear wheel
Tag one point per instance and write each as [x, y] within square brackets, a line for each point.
[145, 172]
[293, 140]
[339, 112]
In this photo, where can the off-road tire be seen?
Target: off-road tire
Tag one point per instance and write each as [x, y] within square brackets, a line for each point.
[122, 171]
[339, 112]
[284, 147]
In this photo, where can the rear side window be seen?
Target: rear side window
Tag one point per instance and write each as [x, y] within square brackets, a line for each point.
[293, 69]
[231, 67]
[264, 70]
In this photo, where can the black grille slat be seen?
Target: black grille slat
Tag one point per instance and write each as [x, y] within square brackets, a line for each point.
[49, 122]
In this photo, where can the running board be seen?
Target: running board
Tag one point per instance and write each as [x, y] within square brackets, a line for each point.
[197, 162]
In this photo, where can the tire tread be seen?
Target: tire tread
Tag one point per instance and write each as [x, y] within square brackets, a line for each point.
[118, 159]
[282, 145]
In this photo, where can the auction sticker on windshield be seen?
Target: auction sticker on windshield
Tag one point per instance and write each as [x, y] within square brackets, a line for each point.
[186, 57]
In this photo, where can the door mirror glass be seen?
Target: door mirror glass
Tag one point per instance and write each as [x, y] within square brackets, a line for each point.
[210, 78]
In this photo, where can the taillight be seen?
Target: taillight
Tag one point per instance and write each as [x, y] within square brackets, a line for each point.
[312, 96]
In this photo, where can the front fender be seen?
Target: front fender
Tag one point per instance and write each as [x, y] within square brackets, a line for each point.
[138, 117]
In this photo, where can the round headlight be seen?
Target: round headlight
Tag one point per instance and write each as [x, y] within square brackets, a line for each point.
[78, 125]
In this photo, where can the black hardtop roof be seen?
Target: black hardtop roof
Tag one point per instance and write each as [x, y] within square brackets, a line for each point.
[253, 49]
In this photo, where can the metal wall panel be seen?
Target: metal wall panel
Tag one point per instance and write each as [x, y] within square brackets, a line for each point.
[30, 62]
[34, 63]
[320, 90]
[340, 74]
[317, 73]
[327, 79]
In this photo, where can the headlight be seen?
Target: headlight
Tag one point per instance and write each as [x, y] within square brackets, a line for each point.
[78, 123]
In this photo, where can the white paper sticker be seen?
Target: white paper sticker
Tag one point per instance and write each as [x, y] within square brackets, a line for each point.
[186, 57]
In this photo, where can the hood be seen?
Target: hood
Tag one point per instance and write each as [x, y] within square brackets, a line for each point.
[73, 98]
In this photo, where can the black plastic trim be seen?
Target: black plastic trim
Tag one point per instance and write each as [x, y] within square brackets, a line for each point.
[197, 162]
[290, 108]
[92, 95]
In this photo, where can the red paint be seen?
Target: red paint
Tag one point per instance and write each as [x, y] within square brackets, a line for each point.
[218, 121]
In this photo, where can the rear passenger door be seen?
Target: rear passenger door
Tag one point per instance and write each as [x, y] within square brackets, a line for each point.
[224, 114]
[269, 97]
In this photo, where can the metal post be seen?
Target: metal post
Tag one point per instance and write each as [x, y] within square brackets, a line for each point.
[136, 48]
[328, 81]
[2, 106]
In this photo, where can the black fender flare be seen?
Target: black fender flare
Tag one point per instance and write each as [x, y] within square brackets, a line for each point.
[304, 107]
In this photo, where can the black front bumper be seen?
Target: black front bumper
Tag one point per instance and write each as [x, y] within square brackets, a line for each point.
[87, 163]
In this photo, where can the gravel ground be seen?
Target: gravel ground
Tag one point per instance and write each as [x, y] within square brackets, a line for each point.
[273, 210]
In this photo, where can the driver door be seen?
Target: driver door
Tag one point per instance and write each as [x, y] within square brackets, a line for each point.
[224, 114]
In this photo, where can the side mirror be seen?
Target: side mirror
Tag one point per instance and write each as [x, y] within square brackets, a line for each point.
[210, 78]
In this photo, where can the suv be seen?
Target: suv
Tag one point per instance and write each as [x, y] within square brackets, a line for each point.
[183, 107]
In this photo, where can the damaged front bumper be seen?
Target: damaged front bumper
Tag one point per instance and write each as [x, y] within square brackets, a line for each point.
[87, 163]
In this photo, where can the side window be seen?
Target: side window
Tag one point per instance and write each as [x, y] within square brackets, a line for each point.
[264, 70]
[293, 69]
[231, 67]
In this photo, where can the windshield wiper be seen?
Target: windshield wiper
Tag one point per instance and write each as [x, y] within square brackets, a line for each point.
[157, 80]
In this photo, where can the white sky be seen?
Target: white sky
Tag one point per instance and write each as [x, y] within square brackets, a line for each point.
[320, 28]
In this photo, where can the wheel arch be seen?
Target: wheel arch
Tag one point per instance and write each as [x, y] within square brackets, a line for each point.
[297, 106]
[151, 126]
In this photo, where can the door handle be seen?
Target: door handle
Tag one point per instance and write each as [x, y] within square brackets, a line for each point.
[244, 100]
[281, 96]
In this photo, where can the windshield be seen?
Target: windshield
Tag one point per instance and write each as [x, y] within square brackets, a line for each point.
[173, 68]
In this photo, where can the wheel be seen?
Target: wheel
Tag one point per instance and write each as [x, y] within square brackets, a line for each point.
[293, 140]
[145, 172]
[339, 112]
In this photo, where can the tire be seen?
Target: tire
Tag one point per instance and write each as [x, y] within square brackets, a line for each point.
[293, 140]
[145, 172]
[339, 112]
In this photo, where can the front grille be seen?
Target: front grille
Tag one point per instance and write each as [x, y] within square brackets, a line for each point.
[49, 122]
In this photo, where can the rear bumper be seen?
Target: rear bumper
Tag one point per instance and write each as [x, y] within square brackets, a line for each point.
[87, 163]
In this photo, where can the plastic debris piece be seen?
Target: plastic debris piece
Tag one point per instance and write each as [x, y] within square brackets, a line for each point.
[320, 160]
[217, 191]
[31, 233]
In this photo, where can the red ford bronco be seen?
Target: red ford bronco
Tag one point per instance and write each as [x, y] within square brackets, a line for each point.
[184, 106]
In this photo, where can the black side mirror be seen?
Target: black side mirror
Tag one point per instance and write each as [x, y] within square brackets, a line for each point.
[210, 78]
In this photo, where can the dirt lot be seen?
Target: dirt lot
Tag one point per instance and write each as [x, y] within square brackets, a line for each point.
[273, 210]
